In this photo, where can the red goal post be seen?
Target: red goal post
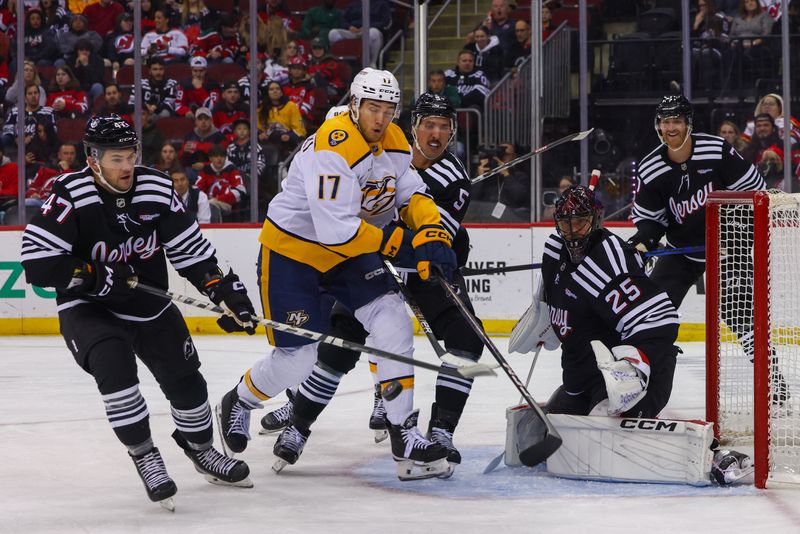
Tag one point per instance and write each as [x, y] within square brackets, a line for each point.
[753, 314]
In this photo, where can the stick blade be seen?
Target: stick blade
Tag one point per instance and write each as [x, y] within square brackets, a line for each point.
[583, 135]
[466, 367]
[535, 441]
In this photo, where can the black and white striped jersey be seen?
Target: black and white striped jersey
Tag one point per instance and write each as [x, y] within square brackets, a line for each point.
[671, 197]
[81, 222]
[608, 297]
[450, 187]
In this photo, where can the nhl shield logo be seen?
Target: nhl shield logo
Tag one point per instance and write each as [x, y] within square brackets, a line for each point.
[120, 202]
[336, 137]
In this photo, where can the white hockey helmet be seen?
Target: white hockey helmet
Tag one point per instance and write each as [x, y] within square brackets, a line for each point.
[335, 110]
[374, 84]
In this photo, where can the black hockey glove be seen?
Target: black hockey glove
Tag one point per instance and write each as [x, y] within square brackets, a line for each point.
[432, 251]
[103, 281]
[397, 245]
[229, 293]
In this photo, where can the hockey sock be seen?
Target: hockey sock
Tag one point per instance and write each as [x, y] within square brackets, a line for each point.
[315, 393]
[195, 425]
[128, 415]
[452, 392]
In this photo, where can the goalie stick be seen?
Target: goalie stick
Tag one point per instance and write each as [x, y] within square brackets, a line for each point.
[566, 139]
[534, 449]
[468, 369]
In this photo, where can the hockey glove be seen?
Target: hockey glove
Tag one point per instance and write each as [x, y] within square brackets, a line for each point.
[432, 251]
[229, 293]
[396, 245]
[103, 281]
[532, 329]
[626, 372]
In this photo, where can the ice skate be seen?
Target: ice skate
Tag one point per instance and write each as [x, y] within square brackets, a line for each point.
[440, 431]
[289, 447]
[215, 466]
[377, 421]
[416, 457]
[277, 420]
[728, 467]
[159, 486]
[233, 423]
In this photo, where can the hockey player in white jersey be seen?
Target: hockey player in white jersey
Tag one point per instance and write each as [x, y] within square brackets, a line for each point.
[322, 236]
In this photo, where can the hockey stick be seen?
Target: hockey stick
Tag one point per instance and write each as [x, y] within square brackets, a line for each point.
[469, 369]
[671, 251]
[466, 271]
[492, 465]
[548, 440]
[571, 137]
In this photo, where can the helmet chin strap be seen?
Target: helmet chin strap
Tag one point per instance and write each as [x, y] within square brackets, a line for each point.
[102, 179]
[686, 138]
[416, 144]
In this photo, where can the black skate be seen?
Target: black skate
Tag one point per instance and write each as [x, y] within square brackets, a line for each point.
[159, 486]
[728, 467]
[279, 419]
[440, 431]
[416, 457]
[215, 466]
[289, 447]
[377, 421]
[233, 423]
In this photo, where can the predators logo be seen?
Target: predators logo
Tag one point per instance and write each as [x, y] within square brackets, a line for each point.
[377, 196]
[336, 137]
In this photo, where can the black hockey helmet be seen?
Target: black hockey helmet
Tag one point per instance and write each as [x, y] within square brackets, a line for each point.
[672, 106]
[110, 131]
[575, 208]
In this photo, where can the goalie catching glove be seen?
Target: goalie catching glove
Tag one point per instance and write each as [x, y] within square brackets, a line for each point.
[432, 251]
[626, 372]
[229, 293]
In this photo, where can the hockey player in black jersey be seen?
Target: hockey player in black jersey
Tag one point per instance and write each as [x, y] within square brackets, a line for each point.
[433, 127]
[617, 328]
[100, 230]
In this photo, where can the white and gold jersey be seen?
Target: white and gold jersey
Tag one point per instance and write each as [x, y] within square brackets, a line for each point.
[340, 191]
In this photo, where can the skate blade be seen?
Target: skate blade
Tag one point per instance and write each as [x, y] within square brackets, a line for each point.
[167, 504]
[244, 483]
[218, 417]
[451, 468]
[380, 435]
[411, 470]
[732, 477]
[264, 431]
[279, 464]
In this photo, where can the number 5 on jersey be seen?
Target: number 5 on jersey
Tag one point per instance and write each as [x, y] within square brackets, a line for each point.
[333, 187]
[624, 295]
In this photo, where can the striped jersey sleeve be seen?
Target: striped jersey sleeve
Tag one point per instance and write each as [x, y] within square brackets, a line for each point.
[450, 186]
[647, 204]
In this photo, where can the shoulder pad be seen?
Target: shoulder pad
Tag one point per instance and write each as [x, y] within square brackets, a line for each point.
[341, 136]
[394, 140]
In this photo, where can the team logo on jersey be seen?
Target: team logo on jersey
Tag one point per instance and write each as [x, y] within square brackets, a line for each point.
[560, 320]
[188, 348]
[297, 318]
[377, 196]
[124, 219]
[336, 137]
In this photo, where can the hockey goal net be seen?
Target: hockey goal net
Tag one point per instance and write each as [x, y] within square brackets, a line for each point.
[753, 328]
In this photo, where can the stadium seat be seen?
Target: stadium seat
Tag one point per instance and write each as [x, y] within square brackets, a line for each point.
[657, 21]
[225, 72]
[46, 73]
[175, 128]
[348, 48]
[629, 69]
[125, 76]
[71, 130]
[181, 72]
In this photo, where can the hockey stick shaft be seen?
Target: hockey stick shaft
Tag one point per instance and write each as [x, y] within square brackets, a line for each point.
[566, 139]
[460, 372]
[671, 251]
[551, 440]
[533, 364]
[466, 271]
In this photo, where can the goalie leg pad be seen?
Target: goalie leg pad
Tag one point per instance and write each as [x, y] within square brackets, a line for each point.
[632, 450]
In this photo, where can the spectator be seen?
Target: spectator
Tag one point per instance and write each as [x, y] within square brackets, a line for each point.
[470, 83]
[709, 33]
[773, 105]
[194, 152]
[148, 15]
[65, 96]
[152, 138]
[170, 44]
[275, 67]
[747, 31]
[118, 45]
[224, 46]
[729, 131]
[437, 86]
[324, 70]
[40, 150]
[223, 184]
[229, 108]
[771, 167]
[244, 81]
[40, 42]
[511, 188]
[522, 45]
[547, 21]
[320, 20]
[30, 75]
[564, 183]
[380, 18]
[167, 160]
[34, 114]
[238, 152]
[262, 33]
[158, 92]
[279, 9]
[500, 24]
[102, 16]
[279, 121]
[114, 103]
[299, 89]
[488, 55]
[89, 70]
[9, 186]
[66, 161]
[78, 29]
[194, 200]
[200, 92]
[196, 18]
[766, 135]
[54, 17]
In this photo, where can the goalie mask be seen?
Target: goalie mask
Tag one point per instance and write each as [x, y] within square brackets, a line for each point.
[578, 215]
[672, 107]
[430, 105]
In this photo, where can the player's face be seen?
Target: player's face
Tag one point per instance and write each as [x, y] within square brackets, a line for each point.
[574, 228]
[374, 117]
[433, 134]
[117, 167]
[674, 130]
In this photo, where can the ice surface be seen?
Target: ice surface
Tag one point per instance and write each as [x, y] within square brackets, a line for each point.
[62, 469]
